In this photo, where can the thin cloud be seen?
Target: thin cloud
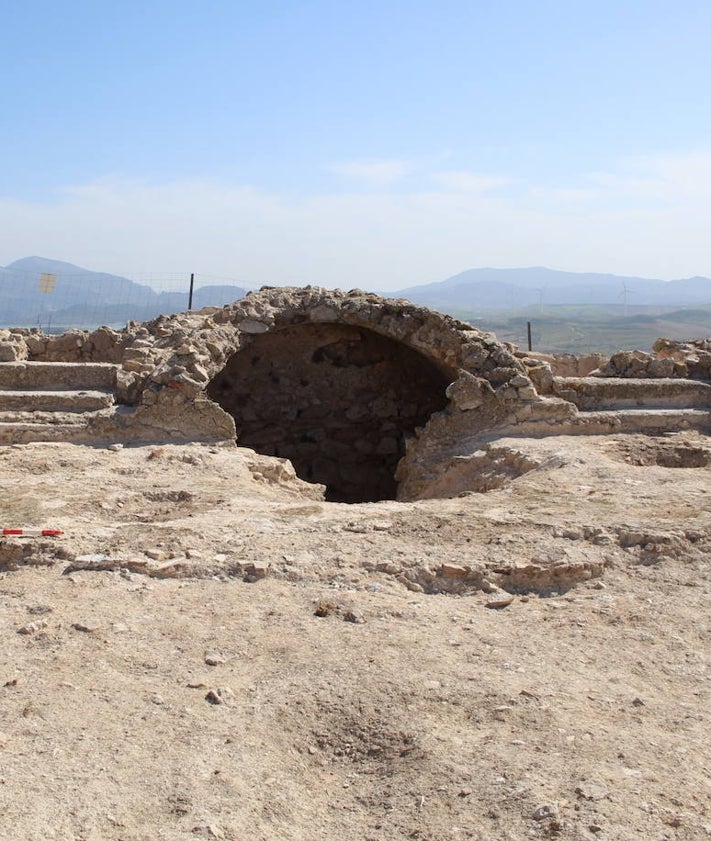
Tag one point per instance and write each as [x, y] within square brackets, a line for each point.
[470, 182]
[649, 219]
[376, 173]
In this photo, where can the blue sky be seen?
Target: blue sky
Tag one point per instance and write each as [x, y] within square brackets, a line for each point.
[377, 144]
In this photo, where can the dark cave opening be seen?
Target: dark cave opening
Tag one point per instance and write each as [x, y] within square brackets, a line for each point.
[337, 401]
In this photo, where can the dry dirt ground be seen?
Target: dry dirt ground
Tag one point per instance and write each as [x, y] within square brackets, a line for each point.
[210, 651]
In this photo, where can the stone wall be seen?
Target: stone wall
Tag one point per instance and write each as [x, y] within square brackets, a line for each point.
[101, 345]
[669, 358]
[542, 367]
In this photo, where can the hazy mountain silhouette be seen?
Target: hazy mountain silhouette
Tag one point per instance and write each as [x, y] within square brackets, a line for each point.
[507, 288]
[83, 298]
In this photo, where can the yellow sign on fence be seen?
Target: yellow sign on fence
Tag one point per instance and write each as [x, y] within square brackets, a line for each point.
[46, 282]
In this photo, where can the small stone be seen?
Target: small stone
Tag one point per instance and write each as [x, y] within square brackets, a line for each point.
[39, 609]
[591, 790]
[215, 657]
[255, 572]
[87, 627]
[115, 447]
[219, 696]
[638, 702]
[172, 569]
[519, 381]
[546, 812]
[324, 608]
[32, 627]
[387, 566]
[155, 554]
[453, 571]
[499, 600]
[252, 327]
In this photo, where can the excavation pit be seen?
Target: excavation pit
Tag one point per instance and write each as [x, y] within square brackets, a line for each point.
[337, 400]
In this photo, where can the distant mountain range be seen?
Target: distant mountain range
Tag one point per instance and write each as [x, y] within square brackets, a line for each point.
[537, 286]
[82, 298]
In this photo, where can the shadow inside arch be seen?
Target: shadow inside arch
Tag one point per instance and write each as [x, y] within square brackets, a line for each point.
[337, 400]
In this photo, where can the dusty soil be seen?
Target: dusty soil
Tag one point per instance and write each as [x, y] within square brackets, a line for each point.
[211, 651]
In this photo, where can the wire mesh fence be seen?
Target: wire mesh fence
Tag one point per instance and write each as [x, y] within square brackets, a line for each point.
[43, 294]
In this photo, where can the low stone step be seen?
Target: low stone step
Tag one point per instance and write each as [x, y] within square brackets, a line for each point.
[39, 418]
[643, 420]
[25, 433]
[611, 393]
[58, 375]
[19, 400]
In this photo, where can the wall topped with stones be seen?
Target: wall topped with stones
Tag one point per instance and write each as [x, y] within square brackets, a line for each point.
[315, 375]
[185, 370]
[669, 358]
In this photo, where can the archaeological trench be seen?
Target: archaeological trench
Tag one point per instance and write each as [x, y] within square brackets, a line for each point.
[372, 398]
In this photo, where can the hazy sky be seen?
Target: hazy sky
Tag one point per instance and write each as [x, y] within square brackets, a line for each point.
[372, 144]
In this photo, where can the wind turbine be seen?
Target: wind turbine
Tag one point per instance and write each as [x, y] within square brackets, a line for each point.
[624, 295]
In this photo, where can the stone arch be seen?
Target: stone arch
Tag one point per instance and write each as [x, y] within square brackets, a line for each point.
[188, 365]
[337, 400]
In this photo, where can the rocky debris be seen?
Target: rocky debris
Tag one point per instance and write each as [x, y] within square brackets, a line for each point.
[663, 452]
[694, 355]
[12, 346]
[326, 607]
[15, 553]
[670, 358]
[280, 472]
[493, 466]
